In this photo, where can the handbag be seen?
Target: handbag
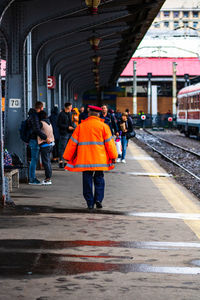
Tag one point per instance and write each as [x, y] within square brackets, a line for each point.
[130, 135]
[118, 146]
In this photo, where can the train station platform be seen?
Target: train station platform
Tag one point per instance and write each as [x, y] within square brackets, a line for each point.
[143, 244]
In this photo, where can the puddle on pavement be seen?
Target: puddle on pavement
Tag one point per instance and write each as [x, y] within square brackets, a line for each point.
[137, 174]
[38, 209]
[59, 245]
[32, 264]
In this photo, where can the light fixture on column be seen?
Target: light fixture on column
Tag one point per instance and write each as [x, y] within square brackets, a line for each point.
[95, 70]
[93, 6]
[94, 42]
[96, 59]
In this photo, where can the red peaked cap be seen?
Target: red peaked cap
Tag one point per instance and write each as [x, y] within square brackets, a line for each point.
[94, 108]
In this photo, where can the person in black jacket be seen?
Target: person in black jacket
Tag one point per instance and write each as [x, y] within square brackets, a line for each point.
[65, 128]
[54, 119]
[125, 125]
[109, 119]
[84, 115]
[34, 123]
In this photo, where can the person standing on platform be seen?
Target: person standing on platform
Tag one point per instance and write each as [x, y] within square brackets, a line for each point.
[65, 127]
[109, 119]
[53, 119]
[83, 115]
[125, 125]
[75, 117]
[34, 123]
[91, 150]
[46, 149]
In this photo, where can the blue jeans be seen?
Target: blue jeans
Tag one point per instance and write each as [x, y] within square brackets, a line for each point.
[62, 144]
[46, 160]
[124, 142]
[34, 159]
[99, 185]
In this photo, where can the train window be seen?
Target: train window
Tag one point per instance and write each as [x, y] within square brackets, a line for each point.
[192, 102]
[182, 103]
[196, 101]
[198, 97]
[185, 103]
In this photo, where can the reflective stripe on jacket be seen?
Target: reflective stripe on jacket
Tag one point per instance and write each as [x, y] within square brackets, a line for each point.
[91, 147]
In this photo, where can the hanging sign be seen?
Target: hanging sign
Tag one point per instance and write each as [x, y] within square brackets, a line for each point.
[75, 97]
[14, 103]
[51, 82]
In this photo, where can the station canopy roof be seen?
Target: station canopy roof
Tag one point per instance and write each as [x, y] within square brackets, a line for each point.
[162, 66]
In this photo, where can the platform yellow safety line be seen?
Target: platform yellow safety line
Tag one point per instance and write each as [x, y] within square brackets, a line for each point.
[171, 192]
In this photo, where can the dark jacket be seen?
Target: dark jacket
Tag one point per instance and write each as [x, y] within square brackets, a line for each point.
[54, 119]
[110, 121]
[63, 123]
[34, 123]
[129, 126]
[83, 116]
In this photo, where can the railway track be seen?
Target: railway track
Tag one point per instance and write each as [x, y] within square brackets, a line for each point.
[187, 160]
[173, 144]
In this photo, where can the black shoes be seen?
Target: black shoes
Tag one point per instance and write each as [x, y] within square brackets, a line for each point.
[98, 204]
[61, 165]
[90, 207]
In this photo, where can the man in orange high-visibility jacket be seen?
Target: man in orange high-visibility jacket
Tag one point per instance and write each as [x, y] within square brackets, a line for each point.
[91, 150]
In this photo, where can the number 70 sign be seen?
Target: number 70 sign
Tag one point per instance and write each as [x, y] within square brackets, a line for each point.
[14, 103]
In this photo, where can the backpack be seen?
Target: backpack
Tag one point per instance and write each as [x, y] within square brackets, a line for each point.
[25, 131]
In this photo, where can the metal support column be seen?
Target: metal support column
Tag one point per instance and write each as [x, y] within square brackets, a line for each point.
[59, 91]
[154, 108]
[67, 91]
[29, 71]
[174, 90]
[149, 75]
[134, 89]
[41, 77]
[15, 107]
[48, 108]
[2, 178]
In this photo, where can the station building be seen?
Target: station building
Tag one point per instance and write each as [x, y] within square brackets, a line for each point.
[159, 70]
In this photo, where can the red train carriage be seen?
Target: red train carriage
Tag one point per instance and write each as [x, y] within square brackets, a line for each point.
[188, 111]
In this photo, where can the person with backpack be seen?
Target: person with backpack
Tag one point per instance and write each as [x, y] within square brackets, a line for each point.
[35, 131]
[126, 127]
[109, 119]
[46, 148]
[65, 127]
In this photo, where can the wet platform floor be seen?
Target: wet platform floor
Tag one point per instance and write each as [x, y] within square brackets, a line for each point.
[144, 243]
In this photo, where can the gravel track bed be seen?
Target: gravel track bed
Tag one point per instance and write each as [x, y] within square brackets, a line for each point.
[180, 175]
[177, 138]
[185, 159]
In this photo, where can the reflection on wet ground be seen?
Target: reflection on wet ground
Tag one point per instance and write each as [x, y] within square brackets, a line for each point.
[37, 209]
[142, 174]
[44, 264]
[58, 245]
[34, 257]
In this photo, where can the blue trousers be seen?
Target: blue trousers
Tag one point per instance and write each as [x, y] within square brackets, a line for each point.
[124, 142]
[62, 144]
[34, 159]
[99, 186]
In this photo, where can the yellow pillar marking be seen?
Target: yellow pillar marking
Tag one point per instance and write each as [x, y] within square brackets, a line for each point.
[171, 191]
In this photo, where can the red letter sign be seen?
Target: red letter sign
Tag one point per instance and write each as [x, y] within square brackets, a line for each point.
[51, 82]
